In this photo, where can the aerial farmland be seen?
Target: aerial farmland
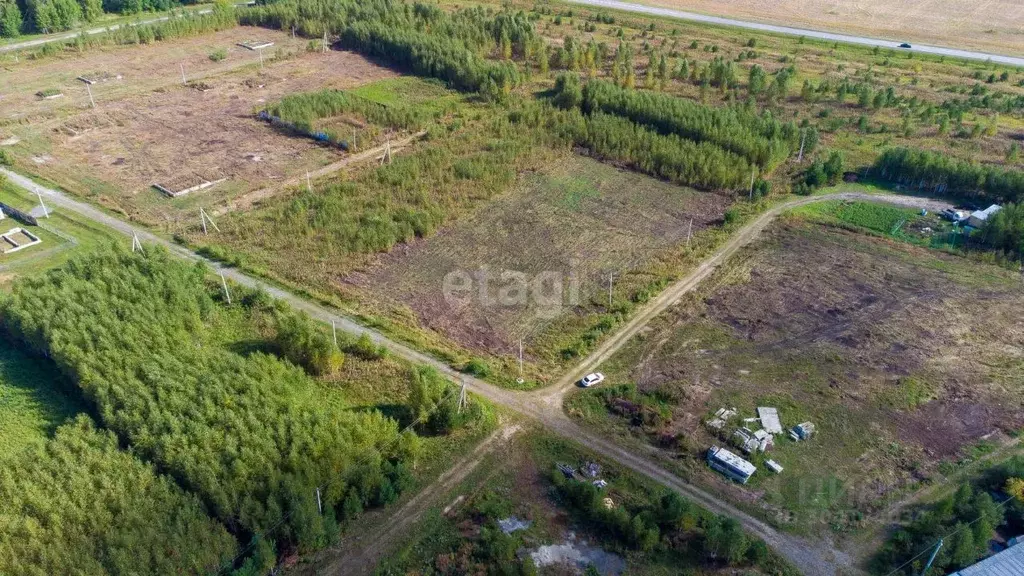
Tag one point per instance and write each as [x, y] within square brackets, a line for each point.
[519, 288]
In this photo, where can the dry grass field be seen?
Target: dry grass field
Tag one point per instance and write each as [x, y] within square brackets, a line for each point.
[903, 357]
[577, 218]
[991, 25]
[148, 128]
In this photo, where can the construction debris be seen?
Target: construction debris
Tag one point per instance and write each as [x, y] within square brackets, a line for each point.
[773, 466]
[600, 484]
[590, 469]
[721, 418]
[770, 419]
[802, 431]
[512, 524]
[255, 44]
[567, 470]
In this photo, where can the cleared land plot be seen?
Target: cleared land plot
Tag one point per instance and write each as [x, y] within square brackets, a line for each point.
[993, 25]
[148, 128]
[903, 357]
[63, 235]
[577, 218]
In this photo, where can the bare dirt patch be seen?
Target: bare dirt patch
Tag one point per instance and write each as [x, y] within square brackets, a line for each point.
[147, 128]
[576, 219]
[903, 357]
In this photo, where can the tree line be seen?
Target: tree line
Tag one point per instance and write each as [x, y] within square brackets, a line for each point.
[46, 16]
[761, 139]
[670, 157]
[246, 434]
[81, 505]
[670, 524]
[943, 174]
[967, 520]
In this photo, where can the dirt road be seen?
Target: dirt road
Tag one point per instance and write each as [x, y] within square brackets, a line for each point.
[815, 558]
[359, 554]
[553, 396]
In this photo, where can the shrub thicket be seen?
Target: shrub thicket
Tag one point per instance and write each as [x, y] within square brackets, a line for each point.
[247, 434]
[81, 505]
[761, 139]
[943, 174]
[671, 157]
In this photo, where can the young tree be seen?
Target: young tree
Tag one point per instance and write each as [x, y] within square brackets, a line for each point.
[11, 20]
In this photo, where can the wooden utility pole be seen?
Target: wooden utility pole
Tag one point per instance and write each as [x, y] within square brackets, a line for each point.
[689, 232]
[803, 135]
[334, 332]
[319, 504]
[91, 101]
[309, 183]
[753, 171]
[182, 67]
[136, 243]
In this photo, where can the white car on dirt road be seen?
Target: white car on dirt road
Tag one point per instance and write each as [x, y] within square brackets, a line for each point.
[592, 379]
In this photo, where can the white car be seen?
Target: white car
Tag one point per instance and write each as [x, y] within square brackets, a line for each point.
[592, 379]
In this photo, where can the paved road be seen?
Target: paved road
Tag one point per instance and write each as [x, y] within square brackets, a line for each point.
[811, 557]
[683, 15]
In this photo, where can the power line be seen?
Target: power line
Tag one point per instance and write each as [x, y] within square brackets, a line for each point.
[950, 535]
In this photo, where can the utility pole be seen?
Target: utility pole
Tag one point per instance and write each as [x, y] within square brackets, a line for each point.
[309, 184]
[325, 41]
[935, 552]
[46, 211]
[91, 101]
[182, 67]
[689, 232]
[136, 243]
[520, 380]
[462, 397]
[753, 171]
[319, 505]
[204, 217]
[261, 58]
[334, 332]
[803, 135]
[224, 284]
[610, 283]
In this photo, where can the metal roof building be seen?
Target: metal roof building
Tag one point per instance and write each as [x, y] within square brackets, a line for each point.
[1009, 562]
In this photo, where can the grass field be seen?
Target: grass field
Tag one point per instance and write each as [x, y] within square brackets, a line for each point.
[33, 400]
[575, 219]
[63, 235]
[902, 356]
[991, 26]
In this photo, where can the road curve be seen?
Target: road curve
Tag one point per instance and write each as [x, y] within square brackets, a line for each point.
[821, 35]
[811, 557]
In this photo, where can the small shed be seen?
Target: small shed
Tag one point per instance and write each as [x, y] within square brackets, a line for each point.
[978, 218]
